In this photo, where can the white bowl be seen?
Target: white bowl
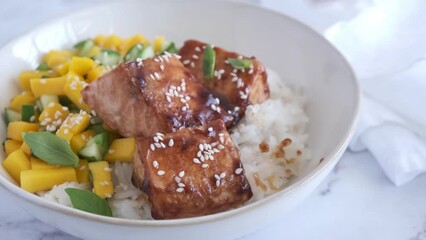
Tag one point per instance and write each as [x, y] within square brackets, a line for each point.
[297, 53]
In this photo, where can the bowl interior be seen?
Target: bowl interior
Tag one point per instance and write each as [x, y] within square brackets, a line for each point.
[296, 53]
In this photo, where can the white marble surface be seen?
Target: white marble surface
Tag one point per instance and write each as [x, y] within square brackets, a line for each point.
[356, 201]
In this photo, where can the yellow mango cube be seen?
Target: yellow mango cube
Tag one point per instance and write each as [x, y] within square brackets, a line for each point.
[63, 69]
[11, 146]
[81, 65]
[26, 149]
[37, 163]
[15, 163]
[15, 129]
[73, 88]
[82, 171]
[53, 116]
[74, 124]
[95, 73]
[56, 58]
[78, 141]
[132, 41]
[121, 150]
[102, 180]
[158, 44]
[25, 76]
[99, 40]
[48, 86]
[44, 179]
[23, 98]
[113, 42]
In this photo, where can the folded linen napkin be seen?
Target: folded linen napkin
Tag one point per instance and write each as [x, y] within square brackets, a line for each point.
[385, 42]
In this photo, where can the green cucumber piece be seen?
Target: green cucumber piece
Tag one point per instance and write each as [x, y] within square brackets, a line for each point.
[108, 57]
[171, 48]
[43, 67]
[98, 128]
[134, 53]
[47, 99]
[147, 52]
[28, 112]
[84, 47]
[12, 116]
[96, 147]
[209, 62]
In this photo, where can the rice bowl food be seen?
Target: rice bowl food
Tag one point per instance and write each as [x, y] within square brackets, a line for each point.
[270, 135]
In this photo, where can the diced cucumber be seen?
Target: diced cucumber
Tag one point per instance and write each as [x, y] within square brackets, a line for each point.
[11, 115]
[28, 113]
[108, 57]
[134, 53]
[43, 67]
[96, 147]
[171, 48]
[84, 47]
[147, 52]
[91, 152]
[47, 99]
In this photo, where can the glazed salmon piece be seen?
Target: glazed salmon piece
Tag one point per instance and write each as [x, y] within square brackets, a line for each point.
[141, 98]
[191, 172]
[241, 87]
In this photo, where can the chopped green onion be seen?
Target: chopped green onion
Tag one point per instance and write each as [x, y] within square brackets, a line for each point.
[209, 62]
[171, 48]
[240, 63]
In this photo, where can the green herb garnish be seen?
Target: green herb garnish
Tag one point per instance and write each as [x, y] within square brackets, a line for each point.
[240, 63]
[172, 48]
[88, 201]
[43, 67]
[209, 62]
[51, 148]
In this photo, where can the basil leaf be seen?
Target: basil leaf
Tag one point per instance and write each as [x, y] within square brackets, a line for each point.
[51, 148]
[240, 63]
[88, 201]
[209, 62]
[43, 67]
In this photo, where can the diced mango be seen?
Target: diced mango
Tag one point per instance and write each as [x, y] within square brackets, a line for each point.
[25, 76]
[81, 65]
[55, 58]
[99, 40]
[102, 180]
[63, 68]
[11, 146]
[95, 73]
[73, 88]
[16, 162]
[44, 179]
[78, 141]
[74, 124]
[113, 42]
[82, 171]
[21, 99]
[15, 129]
[132, 41]
[53, 116]
[158, 44]
[121, 150]
[37, 163]
[26, 149]
[48, 86]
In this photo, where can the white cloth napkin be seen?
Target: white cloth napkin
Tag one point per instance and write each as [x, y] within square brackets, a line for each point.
[386, 44]
[385, 41]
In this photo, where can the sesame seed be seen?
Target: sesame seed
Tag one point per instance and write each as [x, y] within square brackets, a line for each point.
[194, 56]
[66, 131]
[82, 168]
[192, 64]
[213, 107]
[162, 67]
[238, 171]
[178, 179]
[217, 183]
[157, 145]
[32, 118]
[197, 49]
[43, 81]
[52, 104]
[152, 147]
[156, 139]
[168, 99]
[184, 108]
[162, 145]
[171, 142]
[107, 169]
[179, 190]
[217, 100]
[205, 165]
[210, 129]
[195, 160]
[157, 75]
[108, 195]
[222, 175]
[201, 147]
[186, 62]
[161, 172]
[181, 174]
[155, 164]
[181, 185]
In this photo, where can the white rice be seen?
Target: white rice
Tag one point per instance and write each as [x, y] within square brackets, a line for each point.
[280, 117]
